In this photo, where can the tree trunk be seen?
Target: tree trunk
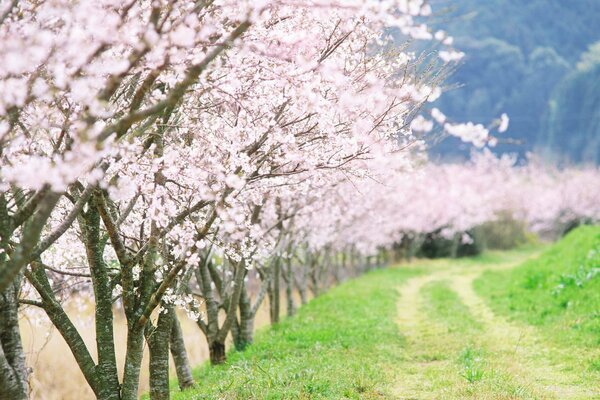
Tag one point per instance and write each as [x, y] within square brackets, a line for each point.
[217, 353]
[302, 284]
[60, 319]
[106, 369]
[133, 362]
[314, 276]
[216, 350]
[414, 246]
[455, 245]
[336, 268]
[289, 289]
[275, 293]
[243, 335]
[369, 263]
[13, 370]
[158, 339]
[246, 337]
[180, 357]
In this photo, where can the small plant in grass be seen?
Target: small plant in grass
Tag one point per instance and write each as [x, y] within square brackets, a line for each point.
[587, 271]
[533, 280]
[595, 364]
[472, 362]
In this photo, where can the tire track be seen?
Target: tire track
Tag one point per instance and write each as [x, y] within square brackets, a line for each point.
[429, 372]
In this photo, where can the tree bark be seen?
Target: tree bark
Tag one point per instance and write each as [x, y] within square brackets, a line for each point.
[158, 339]
[39, 279]
[212, 313]
[30, 238]
[133, 361]
[275, 292]
[289, 288]
[314, 275]
[13, 369]
[217, 353]
[106, 369]
[180, 357]
[243, 335]
[301, 284]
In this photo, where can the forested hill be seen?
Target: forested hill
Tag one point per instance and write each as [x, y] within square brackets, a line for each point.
[536, 61]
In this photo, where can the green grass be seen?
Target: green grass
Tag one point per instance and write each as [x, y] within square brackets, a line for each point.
[558, 292]
[342, 345]
[444, 306]
[347, 344]
[472, 361]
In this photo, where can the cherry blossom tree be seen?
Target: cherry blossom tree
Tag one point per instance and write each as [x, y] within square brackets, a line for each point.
[155, 125]
[167, 155]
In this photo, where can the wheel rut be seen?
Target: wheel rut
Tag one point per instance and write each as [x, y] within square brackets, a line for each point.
[513, 351]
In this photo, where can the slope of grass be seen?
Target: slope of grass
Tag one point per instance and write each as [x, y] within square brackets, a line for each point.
[559, 291]
[342, 345]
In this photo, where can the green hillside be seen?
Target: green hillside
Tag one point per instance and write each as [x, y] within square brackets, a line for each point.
[559, 291]
[526, 63]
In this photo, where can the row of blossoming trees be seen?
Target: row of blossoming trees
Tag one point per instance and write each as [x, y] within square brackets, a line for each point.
[154, 152]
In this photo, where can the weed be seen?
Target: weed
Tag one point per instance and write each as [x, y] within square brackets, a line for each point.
[471, 360]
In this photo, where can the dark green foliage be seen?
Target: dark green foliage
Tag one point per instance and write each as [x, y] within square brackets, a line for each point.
[436, 245]
[475, 245]
[504, 233]
[519, 56]
[573, 119]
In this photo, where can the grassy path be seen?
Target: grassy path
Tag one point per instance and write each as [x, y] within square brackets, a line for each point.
[424, 331]
[458, 348]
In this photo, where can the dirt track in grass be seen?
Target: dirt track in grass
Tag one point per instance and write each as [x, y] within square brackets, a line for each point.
[477, 355]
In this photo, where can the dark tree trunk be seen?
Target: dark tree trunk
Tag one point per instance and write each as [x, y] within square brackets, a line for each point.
[336, 267]
[13, 370]
[302, 284]
[455, 245]
[180, 357]
[215, 335]
[414, 246]
[158, 339]
[243, 334]
[217, 353]
[275, 293]
[106, 369]
[133, 362]
[246, 337]
[369, 263]
[39, 279]
[289, 288]
[314, 276]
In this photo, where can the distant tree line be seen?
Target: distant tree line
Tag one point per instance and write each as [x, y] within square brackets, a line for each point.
[534, 60]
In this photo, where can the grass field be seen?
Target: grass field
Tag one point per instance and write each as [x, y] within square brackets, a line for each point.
[505, 325]
[558, 292]
[343, 344]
